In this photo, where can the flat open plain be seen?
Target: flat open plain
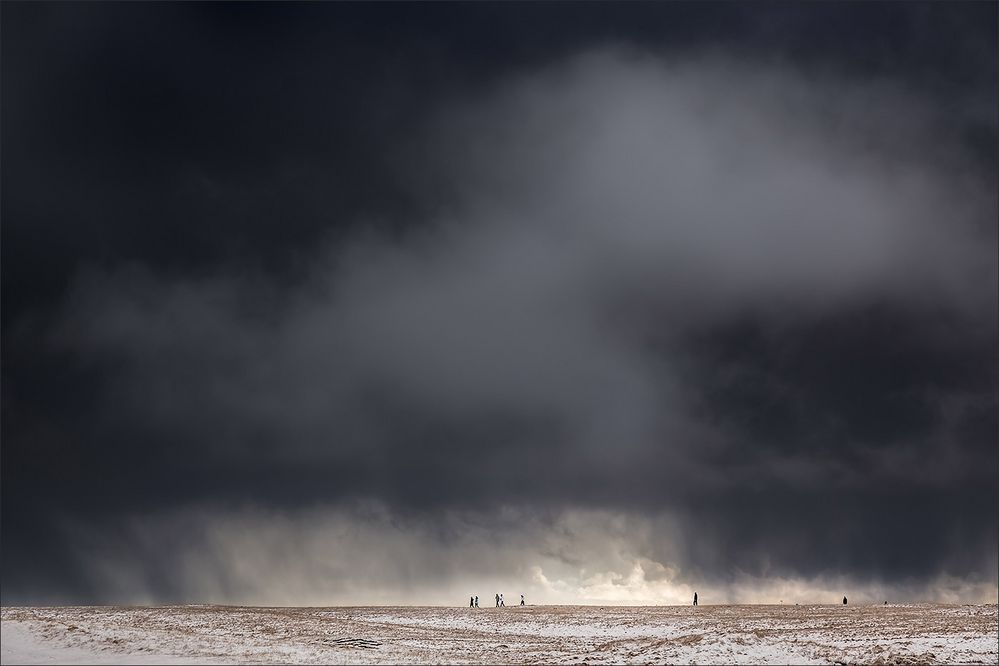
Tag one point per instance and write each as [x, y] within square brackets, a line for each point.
[894, 634]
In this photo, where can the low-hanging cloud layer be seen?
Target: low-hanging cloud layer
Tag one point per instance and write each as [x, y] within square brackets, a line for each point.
[669, 324]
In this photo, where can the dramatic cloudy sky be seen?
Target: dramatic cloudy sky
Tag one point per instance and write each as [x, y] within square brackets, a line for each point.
[339, 303]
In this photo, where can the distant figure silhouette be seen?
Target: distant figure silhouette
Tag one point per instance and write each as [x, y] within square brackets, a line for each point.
[886, 603]
[476, 601]
[471, 602]
[695, 598]
[497, 600]
[844, 601]
[502, 603]
[522, 600]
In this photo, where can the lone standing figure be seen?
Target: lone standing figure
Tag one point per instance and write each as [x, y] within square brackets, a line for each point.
[695, 598]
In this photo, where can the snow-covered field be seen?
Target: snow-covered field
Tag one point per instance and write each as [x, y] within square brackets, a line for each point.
[894, 634]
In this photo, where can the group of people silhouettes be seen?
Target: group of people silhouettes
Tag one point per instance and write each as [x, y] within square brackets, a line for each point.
[473, 601]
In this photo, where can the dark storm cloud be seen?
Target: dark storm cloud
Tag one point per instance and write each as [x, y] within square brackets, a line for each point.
[744, 309]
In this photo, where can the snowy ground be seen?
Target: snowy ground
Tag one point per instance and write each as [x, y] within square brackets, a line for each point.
[900, 634]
